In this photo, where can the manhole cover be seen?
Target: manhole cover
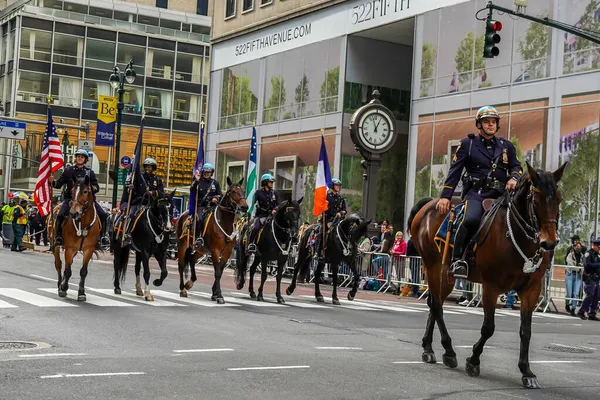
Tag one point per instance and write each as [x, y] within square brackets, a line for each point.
[18, 345]
[568, 349]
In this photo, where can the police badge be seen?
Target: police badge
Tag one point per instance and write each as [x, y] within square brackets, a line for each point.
[505, 156]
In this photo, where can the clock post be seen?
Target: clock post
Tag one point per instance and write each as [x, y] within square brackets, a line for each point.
[373, 132]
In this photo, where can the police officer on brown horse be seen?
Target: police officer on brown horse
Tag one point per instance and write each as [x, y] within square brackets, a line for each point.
[209, 194]
[491, 167]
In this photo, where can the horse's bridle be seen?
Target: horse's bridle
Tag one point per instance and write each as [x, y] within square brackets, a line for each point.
[290, 231]
[232, 207]
[347, 237]
[85, 205]
[162, 225]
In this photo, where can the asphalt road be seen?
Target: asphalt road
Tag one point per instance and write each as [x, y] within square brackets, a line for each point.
[125, 348]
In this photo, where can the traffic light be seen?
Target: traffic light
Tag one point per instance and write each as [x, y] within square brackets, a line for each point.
[491, 38]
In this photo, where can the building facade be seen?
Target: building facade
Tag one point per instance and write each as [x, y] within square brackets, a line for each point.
[293, 79]
[69, 50]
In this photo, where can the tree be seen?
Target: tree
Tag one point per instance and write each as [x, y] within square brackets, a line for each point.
[306, 208]
[329, 90]
[301, 96]
[589, 22]
[534, 49]
[276, 100]
[428, 57]
[237, 98]
[464, 57]
[520, 155]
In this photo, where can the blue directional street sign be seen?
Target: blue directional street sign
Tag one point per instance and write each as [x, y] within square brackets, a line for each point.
[12, 130]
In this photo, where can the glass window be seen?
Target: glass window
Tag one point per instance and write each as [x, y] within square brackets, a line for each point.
[11, 46]
[528, 128]
[91, 91]
[181, 158]
[229, 8]
[126, 53]
[239, 92]
[531, 43]
[265, 2]
[424, 186]
[78, 8]
[206, 71]
[429, 50]
[133, 99]
[101, 12]
[66, 91]
[315, 69]
[32, 86]
[275, 91]
[35, 45]
[580, 54]
[189, 68]
[159, 63]
[330, 86]
[248, 5]
[162, 3]
[68, 49]
[158, 103]
[100, 54]
[4, 44]
[202, 7]
[186, 107]
[124, 16]
[296, 84]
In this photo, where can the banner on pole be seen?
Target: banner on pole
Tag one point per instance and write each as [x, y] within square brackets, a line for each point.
[106, 121]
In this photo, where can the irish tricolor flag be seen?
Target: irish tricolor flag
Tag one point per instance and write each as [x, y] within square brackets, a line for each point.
[323, 180]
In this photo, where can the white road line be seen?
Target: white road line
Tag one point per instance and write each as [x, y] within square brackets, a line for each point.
[578, 347]
[407, 362]
[384, 307]
[52, 355]
[132, 297]
[32, 298]
[471, 346]
[344, 304]
[93, 299]
[557, 362]
[5, 304]
[264, 368]
[240, 301]
[203, 303]
[337, 348]
[43, 277]
[201, 350]
[88, 375]
[293, 304]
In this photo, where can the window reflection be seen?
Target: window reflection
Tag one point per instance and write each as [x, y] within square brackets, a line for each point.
[68, 49]
[100, 54]
[66, 91]
[32, 86]
[239, 93]
[35, 45]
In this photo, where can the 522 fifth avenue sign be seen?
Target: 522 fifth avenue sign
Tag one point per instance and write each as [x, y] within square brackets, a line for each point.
[328, 23]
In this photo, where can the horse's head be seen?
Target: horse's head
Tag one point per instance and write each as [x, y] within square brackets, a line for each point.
[541, 190]
[355, 227]
[288, 215]
[162, 209]
[82, 196]
[235, 197]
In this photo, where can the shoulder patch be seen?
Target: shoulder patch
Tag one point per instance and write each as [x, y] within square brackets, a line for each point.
[587, 253]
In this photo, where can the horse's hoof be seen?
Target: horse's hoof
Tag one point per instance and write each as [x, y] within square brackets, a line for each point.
[240, 286]
[157, 282]
[182, 293]
[335, 301]
[450, 362]
[472, 370]
[213, 297]
[189, 284]
[139, 292]
[428, 358]
[260, 297]
[320, 299]
[117, 291]
[149, 297]
[280, 300]
[220, 300]
[62, 293]
[350, 296]
[530, 382]
[252, 295]
[288, 292]
[81, 297]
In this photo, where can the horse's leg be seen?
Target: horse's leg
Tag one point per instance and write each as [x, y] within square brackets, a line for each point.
[251, 277]
[299, 264]
[161, 257]
[355, 280]
[449, 356]
[138, 267]
[181, 260]
[87, 255]
[64, 285]
[334, 269]
[490, 298]
[529, 297]
[263, 278]
[280, 264]
[428, 355]
[117, 268]
[193, 259]
[241, 265]
[146, 262]
[58, 266]
[317, 278]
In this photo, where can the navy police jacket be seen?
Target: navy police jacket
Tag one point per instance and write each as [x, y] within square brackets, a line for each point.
[267, 202]
[591, 264]
[207, 190]
[147, 183]
[489, 164]
[71, 175]
[335, 204]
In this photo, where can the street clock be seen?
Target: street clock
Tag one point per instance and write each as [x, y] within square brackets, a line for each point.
[373, 128]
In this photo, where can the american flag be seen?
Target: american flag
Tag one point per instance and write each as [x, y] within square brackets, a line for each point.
[51, 161]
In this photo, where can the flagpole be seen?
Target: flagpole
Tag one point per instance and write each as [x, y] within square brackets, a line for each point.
[197, 186]
[51, 185]
[131, 190]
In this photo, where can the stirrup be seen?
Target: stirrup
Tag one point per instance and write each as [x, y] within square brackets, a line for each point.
[252, 248]
[199, 243]
[58, 241]
[460, 269]
[126, 240]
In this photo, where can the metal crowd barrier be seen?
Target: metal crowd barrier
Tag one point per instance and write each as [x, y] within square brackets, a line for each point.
[554, 287]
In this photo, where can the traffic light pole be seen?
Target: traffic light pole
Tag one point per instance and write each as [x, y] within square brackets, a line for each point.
[546, 21]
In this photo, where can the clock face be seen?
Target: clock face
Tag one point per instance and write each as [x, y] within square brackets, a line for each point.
[375, 130]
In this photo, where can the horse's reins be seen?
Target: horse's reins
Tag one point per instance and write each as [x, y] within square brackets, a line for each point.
[86, 205]
[162, 226]
[233, 210]
[288, 231]
[345, 245]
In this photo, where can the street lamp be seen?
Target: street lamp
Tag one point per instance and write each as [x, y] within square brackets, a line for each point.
[117, 81]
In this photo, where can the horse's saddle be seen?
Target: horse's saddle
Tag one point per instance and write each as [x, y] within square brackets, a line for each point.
[188, 228]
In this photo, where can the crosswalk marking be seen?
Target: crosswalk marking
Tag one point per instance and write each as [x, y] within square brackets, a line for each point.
[93, 299]
[239, 301]
[132, 297]
[4, 304]
[348, 305]
[32, 298]
[203, 303]
[288, 303]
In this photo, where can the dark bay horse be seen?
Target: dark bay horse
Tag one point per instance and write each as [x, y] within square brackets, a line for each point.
[522, 234]
[273, 244]
[219, 239]
[149, 237]
[341, 246]
[80, 233]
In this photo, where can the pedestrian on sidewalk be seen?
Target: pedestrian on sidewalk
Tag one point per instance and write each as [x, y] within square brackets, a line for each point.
[19, 226]
[573, 276]
[591, 279]
[7, 219]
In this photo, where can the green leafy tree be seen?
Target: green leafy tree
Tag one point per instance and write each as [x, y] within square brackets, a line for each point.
[428, 57]
[329, 90]
[276, 100]
[534, 49]
[464, 56]
[424, 185]
[520, 155]
[237, 98]
[306, 208]
[391, 183]
[591, 23]
[301, 95]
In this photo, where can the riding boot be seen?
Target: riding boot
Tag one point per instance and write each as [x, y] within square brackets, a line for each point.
[127, 238]
[460, 268]
[199, 242]
[58, 240]
[100, 240]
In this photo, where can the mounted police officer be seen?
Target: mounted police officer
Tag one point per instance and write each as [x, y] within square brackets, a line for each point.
[68, 179]
[336, 209]
[591, 279]
[491, 167]
[267, 200]
[150, 185]
[209, 193]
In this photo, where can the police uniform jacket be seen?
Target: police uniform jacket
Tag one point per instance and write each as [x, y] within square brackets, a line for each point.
[335, 204]
[155, 184]
[489, 164]
[141, 185]
[267, 202]
[207, 190]
[71, 175]
[591, 264]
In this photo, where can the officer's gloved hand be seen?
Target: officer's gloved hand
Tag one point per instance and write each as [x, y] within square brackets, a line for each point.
[214, 200]
[273, 212]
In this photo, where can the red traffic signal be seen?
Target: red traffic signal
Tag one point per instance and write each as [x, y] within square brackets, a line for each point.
[495, 25]
[491, 38]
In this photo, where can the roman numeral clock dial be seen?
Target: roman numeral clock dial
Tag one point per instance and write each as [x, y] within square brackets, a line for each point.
[373, 127]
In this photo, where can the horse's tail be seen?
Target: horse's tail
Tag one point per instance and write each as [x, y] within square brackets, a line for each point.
[304, 251]
[121, 259]
[416, 208]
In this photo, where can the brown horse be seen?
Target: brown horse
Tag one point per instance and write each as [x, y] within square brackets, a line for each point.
[80, 233]
[522, 232]
[219, 239]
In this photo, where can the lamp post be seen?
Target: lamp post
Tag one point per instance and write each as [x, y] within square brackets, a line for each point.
[117, 81]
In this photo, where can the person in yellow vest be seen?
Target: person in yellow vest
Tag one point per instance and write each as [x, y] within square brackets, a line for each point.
[19, 225]
[7, 218]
